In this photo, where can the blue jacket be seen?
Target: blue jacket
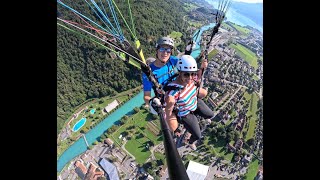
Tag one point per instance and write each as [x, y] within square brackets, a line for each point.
[161, 74]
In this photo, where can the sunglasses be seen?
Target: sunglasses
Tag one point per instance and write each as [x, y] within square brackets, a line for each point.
[162, 49]
[189, 74]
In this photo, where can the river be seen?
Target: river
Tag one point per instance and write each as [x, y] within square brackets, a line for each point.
[80, 147]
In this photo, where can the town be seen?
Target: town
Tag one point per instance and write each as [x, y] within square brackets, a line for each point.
[231, 146]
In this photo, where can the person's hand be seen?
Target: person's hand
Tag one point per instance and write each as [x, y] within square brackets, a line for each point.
[204, 64]
[146, 106]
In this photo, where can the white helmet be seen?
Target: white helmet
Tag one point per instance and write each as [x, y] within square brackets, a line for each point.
[154, 102]
[187, 63]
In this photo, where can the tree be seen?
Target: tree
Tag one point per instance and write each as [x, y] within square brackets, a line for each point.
[230, 136]
[222, 157]
[122, 121]
[125, 133]
[154, 117]
[136, 110]
[250, 142]
[236, 135]
[125, 117]
[160, 162]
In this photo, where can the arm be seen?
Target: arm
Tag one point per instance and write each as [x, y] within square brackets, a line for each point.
[147, 97]
[170, 116]
[204, 65]
[146, 89]
[202, 93]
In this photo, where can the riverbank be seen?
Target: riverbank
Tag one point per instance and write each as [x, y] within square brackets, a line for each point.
[79, 146]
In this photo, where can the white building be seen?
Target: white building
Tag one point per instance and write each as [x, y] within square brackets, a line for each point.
[197, 171]
[111, 106]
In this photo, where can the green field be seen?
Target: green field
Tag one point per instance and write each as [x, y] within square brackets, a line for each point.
[135, 126]
[218, 147]
[252, 111]
[226, 26]
[255, 77]
[189, 6]
[175, 34]
[195, 24]
[252, 169]
[137, 147]
[246, 54]
[160, 156]
[242, 30]
[212, 54]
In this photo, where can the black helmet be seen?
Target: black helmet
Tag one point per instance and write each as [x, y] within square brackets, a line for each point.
[165, 40]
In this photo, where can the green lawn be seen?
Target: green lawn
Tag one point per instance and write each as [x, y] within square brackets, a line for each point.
[226, 26]
[242, 30]
[175, 34]
[218, 148]
[255, 77]
[252, 169]
[189, 6]
[212, 54]
[195, 24]
[136, 146]
[246, 54]
[252, 120]
[160, 156]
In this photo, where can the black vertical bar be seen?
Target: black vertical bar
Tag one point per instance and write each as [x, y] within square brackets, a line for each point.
[176, 169]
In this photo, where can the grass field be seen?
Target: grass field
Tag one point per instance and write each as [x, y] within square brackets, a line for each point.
[226, 26]
[255, 77]
[195, 24]
[252, 170]
[242, 30]
[189, 7]
[137, 147]
[218, 148]
[160, 156]
[252, 111]
[175, 34]
[212, 54]
[135, 126]
[246, 54]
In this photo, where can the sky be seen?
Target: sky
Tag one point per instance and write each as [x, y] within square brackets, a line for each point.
[250, 1]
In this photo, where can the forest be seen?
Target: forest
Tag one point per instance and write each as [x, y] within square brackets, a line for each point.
[86, 70]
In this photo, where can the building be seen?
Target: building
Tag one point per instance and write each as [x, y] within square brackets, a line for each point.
[94, 172]
[214, 95]
[110, 169]
[81, 169]
[87, 174]
[109, 142]
[111, 106]
[197, 171]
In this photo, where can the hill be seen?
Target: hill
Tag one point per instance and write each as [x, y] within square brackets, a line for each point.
[86, 71]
